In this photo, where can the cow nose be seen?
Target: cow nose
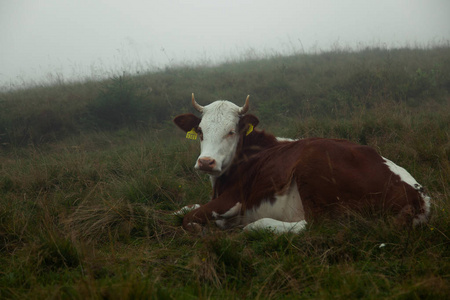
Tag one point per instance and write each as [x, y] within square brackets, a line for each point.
[206, 163]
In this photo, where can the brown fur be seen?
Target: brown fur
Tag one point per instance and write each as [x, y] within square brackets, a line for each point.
[332, 176]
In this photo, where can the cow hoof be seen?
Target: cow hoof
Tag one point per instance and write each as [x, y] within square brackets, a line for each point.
[185, 210]
[194, 227]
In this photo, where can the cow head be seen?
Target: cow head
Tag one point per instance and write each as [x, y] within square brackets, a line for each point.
[220, 129]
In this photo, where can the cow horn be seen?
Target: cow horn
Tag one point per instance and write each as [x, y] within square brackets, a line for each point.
[246, 106]
[196, 105]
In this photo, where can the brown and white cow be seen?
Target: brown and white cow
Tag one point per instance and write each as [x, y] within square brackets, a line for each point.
[260, 181]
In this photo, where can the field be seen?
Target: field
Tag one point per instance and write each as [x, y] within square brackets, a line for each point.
[91, 172]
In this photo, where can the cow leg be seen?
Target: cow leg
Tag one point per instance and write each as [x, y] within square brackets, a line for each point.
[276, 226]
[219, 209]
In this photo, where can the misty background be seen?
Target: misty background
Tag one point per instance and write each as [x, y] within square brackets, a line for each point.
[63, 40]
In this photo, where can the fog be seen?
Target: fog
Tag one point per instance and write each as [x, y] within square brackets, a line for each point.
[64, 40]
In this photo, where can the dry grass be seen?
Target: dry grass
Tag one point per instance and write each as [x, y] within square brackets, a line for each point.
[87, 213]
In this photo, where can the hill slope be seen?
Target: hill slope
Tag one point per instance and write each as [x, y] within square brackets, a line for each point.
[90, 174]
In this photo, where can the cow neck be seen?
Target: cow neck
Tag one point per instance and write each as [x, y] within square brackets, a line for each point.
[256, 142]
[248, 146]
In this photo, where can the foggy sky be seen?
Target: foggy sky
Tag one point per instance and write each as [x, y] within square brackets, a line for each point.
[41, 41]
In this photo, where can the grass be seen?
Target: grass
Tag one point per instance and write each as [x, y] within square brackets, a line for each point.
[86, 199]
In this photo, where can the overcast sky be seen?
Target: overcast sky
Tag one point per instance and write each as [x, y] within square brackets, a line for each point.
[46, 39]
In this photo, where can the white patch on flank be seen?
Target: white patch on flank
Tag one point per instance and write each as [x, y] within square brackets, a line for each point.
[284, 214]
[276, 226]
[404, 175]
[287, 207]
[407, 178]
[186, 209]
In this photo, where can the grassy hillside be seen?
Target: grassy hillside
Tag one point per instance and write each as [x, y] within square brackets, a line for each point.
[333, 85]
[90, 174]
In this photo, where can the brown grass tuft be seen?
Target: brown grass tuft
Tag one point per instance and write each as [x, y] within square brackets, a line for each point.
[112, 220]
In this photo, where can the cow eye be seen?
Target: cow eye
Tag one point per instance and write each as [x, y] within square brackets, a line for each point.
[232, 132]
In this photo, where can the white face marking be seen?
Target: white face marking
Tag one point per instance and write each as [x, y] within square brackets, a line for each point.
[219, 129]
[287, 207]
[407, 178]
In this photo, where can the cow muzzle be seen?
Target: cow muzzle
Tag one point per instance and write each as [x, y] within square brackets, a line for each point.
[206, 164]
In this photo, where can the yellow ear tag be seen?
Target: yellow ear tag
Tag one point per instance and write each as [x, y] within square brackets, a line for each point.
[250, 129]
[192, 135]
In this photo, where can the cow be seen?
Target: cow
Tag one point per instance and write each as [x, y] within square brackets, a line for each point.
[260, 181]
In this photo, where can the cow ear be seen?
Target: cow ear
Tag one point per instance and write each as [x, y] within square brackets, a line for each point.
[246, 120]
[187, 121]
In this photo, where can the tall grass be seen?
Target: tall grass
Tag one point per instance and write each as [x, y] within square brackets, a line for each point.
[86, 198]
